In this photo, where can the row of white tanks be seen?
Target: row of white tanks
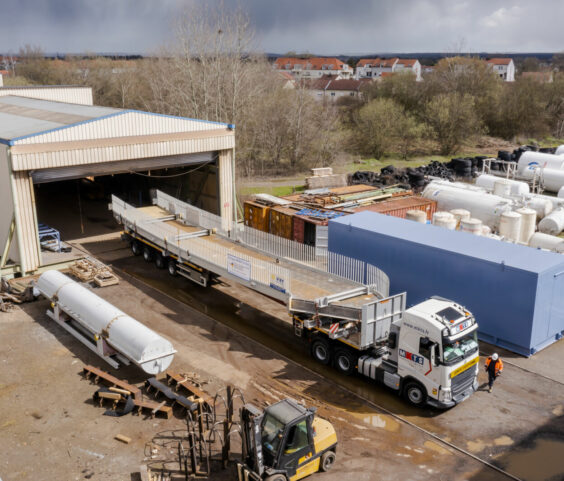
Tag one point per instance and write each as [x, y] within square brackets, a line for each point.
[548, 169]
[498, 208]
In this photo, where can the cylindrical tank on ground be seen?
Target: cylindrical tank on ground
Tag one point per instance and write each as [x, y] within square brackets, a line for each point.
[541, 204]
[486, 231]
[484, 206]
[553, 179]
[459, 185]
[417, 216]
[488, 181]
[127, 336]
[546, 241]
[560, 194]
[540, 159]
[510, 225]
[472, 226]
[528, 224]
[502, 187]
[444, 219]
[460, 214]
[553, 223]
[559, 150]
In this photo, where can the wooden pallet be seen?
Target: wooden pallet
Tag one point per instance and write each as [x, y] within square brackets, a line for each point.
[177, 380]
[90, 269]
[98, 375]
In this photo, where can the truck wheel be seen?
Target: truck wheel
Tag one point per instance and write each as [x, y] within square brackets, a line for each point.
[415, 394]
[345, 361]
[136, 248]
[321, 351]
[327, 461]
[276, 477]
[160, 261]
[148, 254]
[172, 267]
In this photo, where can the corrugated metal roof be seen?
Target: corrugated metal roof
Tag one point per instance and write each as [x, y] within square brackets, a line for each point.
[21, 116]
[511, 255]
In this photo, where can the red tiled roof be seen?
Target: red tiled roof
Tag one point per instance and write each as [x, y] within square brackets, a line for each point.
[342, 84]
[500, 61]
[408, 62]
[387, 74]
[316, 63]
[286, 75]
[363, 62]
[388, 62]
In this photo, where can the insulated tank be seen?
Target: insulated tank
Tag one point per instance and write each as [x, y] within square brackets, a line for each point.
[528, 224]
[541, 204]
[488, 181]
[460, 214]
[510, 225]
[472, 226]
[560, 194]
[444, 219]
[530, 159]
[482, 205]
[546, 241]
[553, 223]
[559, 150]
[417, 216]
[127, 336]
[553, 179]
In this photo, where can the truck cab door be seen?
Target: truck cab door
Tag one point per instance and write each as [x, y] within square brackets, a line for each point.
[296, 456]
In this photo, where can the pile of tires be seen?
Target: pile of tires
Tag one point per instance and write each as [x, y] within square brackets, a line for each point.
[462, 167]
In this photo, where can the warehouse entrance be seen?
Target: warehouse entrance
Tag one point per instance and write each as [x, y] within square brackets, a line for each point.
[77, 208]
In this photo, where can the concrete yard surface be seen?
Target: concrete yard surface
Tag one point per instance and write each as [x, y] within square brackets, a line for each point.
[51, 430]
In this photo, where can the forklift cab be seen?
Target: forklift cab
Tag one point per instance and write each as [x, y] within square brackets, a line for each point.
[285, 442]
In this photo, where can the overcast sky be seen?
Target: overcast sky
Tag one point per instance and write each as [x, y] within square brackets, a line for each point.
[316, 26]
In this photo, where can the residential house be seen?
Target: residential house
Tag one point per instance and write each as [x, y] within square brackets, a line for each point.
[315, 67]
[332, 89]
[504, 67]
[376, 67]
[288, 80]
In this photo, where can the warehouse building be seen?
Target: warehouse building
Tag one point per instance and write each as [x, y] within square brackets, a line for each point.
[61, 158]
[515, 292]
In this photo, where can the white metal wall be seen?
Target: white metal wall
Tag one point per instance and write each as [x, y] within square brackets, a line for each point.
[71, 95]
[226, 190]
[126, 124]
[6, 204]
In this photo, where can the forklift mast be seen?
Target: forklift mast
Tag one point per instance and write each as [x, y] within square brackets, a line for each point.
[251, 419]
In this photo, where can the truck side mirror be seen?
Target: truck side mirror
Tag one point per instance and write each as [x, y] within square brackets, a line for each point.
[434, 360]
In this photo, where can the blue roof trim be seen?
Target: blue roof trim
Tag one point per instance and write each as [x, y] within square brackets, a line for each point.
[62, 127]
[114, 114]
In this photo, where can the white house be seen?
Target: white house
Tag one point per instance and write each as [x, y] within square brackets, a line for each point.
[332, 89]
[504, 67]
[316, 67]
[375, 67]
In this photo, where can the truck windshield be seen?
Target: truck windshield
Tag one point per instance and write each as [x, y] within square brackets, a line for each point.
[272, 430]
[455, 350]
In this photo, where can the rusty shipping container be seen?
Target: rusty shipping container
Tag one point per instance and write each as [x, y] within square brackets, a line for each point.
[398, 207]
[256, 215]
[282, 221]
[307, 221]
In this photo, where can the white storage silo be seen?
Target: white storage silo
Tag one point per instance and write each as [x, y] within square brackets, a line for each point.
[528, 224]
[531, 159]
[472, 226]
[510, 225]
[553, 223]
[417, 216]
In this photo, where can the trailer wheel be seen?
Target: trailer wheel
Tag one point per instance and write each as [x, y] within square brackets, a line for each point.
[345, 361]
[147, 254]
[415, 394]
[321, 351]
[172, 267]
[136, 248]
[327, 461]
[276, 477]
[160, 261]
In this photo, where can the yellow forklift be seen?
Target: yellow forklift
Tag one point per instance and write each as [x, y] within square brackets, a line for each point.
[285, 442]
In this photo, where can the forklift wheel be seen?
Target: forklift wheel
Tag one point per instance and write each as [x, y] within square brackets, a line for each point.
[327, 461]
[276, 477]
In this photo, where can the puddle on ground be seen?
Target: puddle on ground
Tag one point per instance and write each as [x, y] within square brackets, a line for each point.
[544, 460]
[382, 421]
[435, 447]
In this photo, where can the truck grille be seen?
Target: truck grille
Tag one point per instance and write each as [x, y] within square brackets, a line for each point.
[463, 381]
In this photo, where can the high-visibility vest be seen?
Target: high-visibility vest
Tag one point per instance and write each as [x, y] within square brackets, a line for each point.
[498, 365]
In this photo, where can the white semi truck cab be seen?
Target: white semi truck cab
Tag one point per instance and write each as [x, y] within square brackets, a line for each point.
[428, 353]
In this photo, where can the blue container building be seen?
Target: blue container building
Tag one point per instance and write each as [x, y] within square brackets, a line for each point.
[515, 292]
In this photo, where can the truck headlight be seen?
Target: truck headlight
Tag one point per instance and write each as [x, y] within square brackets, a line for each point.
[445, 394]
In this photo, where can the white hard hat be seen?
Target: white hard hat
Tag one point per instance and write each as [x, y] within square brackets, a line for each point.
[495, 356]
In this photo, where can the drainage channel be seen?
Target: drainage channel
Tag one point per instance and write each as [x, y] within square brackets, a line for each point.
[317, 370]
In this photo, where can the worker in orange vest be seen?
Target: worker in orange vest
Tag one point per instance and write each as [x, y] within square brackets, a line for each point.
[493, 367]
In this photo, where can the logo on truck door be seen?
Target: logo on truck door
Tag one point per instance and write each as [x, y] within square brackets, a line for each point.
[411, 357]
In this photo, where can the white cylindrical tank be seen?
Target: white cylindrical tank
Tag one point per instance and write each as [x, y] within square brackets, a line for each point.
[444, 219]
[553, 223]
[460, 214]
[482, 205]
[127, 336]
[417, 216]
[502, 187]
[459, 185]
[546, 241]
[560, 194]
[486, 231]
[559, 150]
[488, 181]
[472, 226]
[553, 179]
[541, 204]
[528, 224]
[530, 159]
[510, 225]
